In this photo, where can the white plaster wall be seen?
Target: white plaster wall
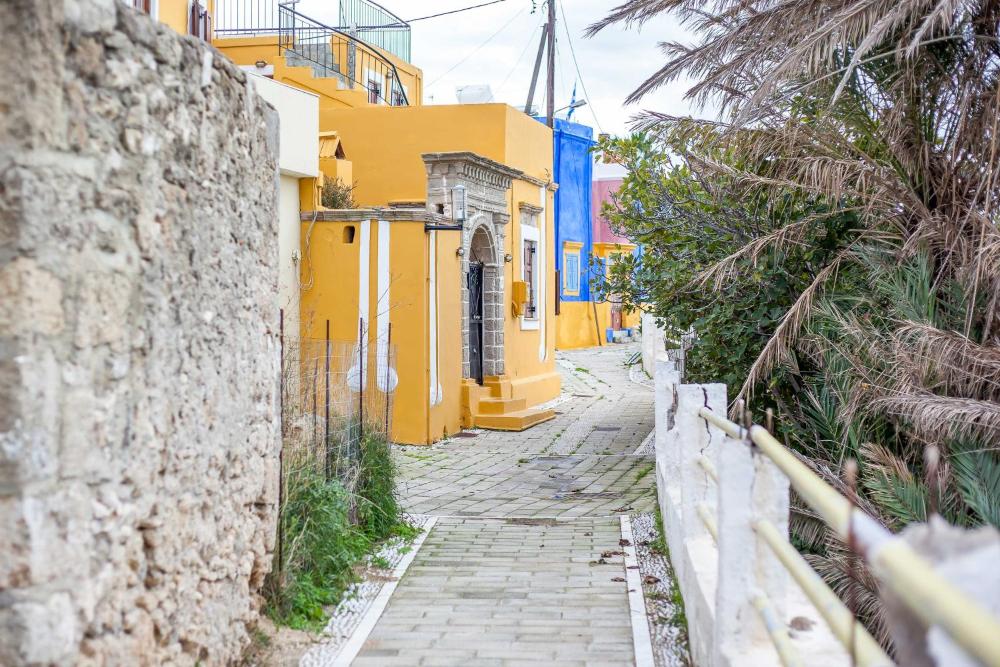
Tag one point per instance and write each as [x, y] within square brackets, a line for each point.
[653, 343]
[298, 152]
[289, 227]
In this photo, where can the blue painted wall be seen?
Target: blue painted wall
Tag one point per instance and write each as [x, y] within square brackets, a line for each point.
[573, 167]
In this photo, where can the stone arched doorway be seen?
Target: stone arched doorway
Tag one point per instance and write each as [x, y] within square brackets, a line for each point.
[482, 309]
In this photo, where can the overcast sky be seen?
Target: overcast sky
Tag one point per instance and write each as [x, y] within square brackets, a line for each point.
[496, 45]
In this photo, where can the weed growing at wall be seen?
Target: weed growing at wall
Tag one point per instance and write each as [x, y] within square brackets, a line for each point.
[328, 530]
[338, 475]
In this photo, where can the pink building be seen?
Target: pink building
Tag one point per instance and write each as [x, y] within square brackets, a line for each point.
[607, 245]
[600, 192]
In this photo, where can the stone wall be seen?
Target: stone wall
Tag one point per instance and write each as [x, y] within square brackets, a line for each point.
[138, 359]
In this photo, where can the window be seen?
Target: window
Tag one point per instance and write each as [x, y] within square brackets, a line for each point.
[374, 91]
[530, 277]
[571, 268]
[532, 264]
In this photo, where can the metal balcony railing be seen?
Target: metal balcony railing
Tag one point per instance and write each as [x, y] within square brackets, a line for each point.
[376, 25]
[329, 51]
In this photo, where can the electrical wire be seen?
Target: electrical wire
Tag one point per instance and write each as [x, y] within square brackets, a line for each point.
[455, 11]
[476, 50]
[531, 40]
[569, 38]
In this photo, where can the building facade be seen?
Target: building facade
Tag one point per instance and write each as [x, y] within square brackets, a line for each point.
[464, 280]
[469, 295]
[585, 246]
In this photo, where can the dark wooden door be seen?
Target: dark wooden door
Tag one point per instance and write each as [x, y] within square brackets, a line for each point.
[475, 279]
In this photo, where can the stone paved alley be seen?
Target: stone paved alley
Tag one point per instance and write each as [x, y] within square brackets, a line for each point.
[512, 572]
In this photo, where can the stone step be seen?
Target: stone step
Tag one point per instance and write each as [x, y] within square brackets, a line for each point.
[519, 420]
[499, 406]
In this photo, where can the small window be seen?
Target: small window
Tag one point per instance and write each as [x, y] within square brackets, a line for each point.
[374, 91]
[349, 234]
[571, 272]
[530, 277]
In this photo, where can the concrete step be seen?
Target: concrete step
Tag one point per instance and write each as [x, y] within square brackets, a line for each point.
[519, 420]
[499, 406]
[499, 386]
[313, 60]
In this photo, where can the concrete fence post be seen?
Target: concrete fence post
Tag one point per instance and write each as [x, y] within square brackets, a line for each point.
[737, 627]
[771, 502]
[751, 487]
[696, 438]
[668, 480]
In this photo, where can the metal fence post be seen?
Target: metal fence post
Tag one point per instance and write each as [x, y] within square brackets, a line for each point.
[281, 451]
[388, 370]
[326, 434]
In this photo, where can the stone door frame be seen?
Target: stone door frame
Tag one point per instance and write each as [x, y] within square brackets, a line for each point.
[480, 244]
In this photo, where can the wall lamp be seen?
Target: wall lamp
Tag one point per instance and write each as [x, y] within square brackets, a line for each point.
[458, 203]
[460, 252]
[508, 258]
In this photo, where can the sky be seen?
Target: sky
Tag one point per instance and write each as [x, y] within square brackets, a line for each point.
[496, 45]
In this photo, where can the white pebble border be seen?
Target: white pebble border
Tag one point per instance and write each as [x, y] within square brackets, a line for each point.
[360, 596]
[637, 375]
[669, 647]
[648, 446]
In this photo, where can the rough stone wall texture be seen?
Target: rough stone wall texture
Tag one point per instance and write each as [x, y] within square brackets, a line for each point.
[138, 360]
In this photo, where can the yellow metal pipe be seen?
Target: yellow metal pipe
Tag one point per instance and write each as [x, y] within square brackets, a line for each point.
[867, 651]
[731, 429]
[705, 514]
[708, 467]
[909, 576]
[779, 633]
[926, 593]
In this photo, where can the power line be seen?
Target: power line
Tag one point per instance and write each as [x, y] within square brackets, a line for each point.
[476, 50]
[455, 11]
[531, 40]
[583, 84]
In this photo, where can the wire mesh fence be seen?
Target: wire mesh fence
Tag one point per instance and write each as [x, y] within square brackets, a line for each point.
[334, 394]
[337, 474]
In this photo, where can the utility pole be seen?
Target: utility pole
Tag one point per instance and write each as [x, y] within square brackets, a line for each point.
[550, 97]
[534, 75]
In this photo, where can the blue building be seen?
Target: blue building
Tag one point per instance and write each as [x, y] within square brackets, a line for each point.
[573, 167]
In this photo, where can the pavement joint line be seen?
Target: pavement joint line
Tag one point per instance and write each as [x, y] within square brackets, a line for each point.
[360, 635]
[642, 645]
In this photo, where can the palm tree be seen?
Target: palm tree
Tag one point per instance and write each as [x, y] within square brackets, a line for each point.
[889, 109]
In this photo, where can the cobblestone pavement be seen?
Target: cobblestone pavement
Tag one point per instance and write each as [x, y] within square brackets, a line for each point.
[523, 565]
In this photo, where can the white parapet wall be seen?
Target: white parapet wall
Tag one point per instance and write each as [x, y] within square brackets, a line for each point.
[711, 489]
[653, 343]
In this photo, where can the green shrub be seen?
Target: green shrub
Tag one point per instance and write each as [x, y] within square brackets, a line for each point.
[327, 530]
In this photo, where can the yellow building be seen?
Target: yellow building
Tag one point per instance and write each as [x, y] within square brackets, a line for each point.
[469, 290]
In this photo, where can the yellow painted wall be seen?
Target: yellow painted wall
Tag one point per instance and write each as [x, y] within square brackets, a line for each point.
[383, 141]
[446, 416]
[534, 380]
[385, 145]
[246, 51]
[175, 13]
[576, 319]
[330, 273]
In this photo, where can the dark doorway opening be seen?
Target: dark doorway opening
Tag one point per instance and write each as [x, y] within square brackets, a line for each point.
[475, 279]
